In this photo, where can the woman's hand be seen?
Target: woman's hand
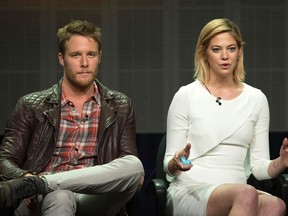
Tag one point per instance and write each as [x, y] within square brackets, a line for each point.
[175, 165]
[279, 164]
[284, 152]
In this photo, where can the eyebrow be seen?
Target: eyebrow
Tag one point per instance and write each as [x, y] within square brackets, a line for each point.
[226, 46]
[89, 52]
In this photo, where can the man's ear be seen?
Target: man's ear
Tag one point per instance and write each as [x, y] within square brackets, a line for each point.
[60, 59]
[100, 56]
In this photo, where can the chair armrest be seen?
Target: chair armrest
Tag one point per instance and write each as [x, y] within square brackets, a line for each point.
[158, 188]
[281, 187]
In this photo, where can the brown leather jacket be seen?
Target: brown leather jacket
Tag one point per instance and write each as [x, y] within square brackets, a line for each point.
[32, 131]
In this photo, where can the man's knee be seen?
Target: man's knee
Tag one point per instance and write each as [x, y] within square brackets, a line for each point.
[58, 201]
[134, 172]
[134, 164]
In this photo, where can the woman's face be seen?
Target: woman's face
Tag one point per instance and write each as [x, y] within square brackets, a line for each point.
[222, 55]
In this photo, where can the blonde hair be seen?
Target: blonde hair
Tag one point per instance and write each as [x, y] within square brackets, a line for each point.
[210, 30]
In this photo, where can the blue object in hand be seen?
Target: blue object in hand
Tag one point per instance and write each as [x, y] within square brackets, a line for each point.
[184, 161]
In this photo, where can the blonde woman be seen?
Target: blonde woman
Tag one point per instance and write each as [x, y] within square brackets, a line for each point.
[221, 124]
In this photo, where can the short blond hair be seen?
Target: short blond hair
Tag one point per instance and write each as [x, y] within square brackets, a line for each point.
[210, 30]
[78, 27]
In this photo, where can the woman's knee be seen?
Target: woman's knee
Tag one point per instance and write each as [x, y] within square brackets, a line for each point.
[248, 195]
[280, 206]
[271, 205]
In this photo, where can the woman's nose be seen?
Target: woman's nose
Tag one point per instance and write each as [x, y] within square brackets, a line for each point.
[224, 55]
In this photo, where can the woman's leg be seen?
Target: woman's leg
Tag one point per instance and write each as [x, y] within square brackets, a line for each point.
[233, 199]
[271, 205]
[245, 200]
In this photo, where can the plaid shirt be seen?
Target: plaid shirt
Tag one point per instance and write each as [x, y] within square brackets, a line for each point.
[76, 144]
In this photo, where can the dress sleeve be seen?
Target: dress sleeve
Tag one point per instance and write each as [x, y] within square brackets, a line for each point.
[177, 125]
[259, 147]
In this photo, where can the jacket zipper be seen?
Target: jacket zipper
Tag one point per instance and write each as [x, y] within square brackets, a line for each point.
[38, 146]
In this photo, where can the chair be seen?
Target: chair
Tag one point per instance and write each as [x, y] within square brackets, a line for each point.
[157, 187]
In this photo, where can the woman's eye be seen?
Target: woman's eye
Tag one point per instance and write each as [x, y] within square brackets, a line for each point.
[232, 49]
[216, 50]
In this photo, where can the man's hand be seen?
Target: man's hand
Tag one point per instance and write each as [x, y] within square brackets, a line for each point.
[31, 202]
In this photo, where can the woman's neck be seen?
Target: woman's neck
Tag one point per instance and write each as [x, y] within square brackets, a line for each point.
[225, 89]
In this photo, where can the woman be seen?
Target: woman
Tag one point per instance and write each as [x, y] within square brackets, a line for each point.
[222, 125]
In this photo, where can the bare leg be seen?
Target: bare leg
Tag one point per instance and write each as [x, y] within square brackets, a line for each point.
[271, 205]
[245, 200]
[233, 199]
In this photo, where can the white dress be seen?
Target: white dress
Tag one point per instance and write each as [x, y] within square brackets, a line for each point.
[227, 142]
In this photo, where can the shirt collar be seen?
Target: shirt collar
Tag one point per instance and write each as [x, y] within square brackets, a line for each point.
[95, 96]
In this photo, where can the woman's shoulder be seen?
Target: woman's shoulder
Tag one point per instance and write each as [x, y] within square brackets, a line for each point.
[253, 90]
[189, 87]
[255, 94]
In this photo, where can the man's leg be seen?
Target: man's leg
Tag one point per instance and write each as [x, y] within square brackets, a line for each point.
[105, 204]
[120, 175]
[16, 190]
[33, 209]
[110, 185]
[64, 202]
[59, 202]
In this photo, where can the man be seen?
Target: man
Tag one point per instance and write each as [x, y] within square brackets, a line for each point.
[73, 145]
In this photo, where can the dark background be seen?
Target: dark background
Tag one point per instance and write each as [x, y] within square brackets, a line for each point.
[148, 53]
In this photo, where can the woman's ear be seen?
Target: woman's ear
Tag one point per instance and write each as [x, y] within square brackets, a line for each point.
[239, 53]
[203, 52]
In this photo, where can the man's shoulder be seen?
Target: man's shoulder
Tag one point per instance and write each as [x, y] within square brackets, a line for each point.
[120, 96]
[39, 96]
[111, 94]
[120, 99]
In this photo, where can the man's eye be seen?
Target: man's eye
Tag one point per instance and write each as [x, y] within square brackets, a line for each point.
[92, 54]
[75, 55]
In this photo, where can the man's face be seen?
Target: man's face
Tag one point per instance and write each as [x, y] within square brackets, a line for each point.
[80, 62]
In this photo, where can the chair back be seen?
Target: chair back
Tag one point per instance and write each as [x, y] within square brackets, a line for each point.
[160, 174]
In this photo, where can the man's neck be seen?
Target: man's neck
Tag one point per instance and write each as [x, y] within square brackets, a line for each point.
[77, 93]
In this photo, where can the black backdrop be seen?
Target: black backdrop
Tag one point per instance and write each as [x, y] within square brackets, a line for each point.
[148, 48]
